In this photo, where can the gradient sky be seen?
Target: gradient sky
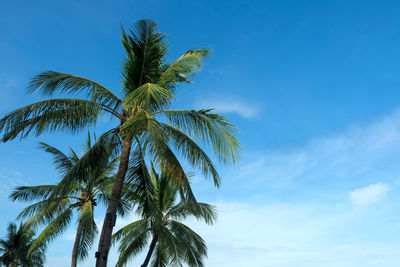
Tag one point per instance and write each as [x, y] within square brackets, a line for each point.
[313, 86]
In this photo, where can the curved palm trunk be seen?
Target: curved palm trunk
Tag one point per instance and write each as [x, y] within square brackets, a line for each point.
[150, 252]
[78, 235]
[109, 219]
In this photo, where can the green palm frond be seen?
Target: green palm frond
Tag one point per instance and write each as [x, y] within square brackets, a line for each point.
[184, 67]
[145, 50]
[61, 161]
[89, 230]
[170, 245]
[209, 127]
[14, 249]
[139, 186]
[133, 238]
[192, 152]
[52, 230]
[160, 258]
[29, 193]
[200, 211]
[106, 145]
[149, 96]
[50, 115]
[50, 82]
[45, 211]
[194, 248]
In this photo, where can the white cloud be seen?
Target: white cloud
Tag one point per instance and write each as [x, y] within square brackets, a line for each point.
[290, 234]
[229, 105]
[369, 194]
[362, 154]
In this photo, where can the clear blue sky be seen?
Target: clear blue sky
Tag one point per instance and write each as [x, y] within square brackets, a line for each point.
[313, 86]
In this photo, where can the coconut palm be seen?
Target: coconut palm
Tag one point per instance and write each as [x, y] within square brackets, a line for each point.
[172, 242]
[14, 249]
[56, 211]
[141, 114]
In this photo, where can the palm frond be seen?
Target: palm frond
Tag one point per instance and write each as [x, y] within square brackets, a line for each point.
[29, 193]
[160, 258]
[89, 230]
[50, 82]
[149, 96]
[133, 238]
[50, 115]
[106, 146]
[201, 211]
[54, 229]
[192, 152]
[194, 247]
[44, 212]
[209, 127]
[138, 181]
[145, 48]
[61, 161]
[184, 67]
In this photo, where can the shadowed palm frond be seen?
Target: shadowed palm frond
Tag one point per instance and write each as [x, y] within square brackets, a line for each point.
[89, 230]
[145, 49]
[61, 161]
[50, 115]
[52, 230]
[29, 193]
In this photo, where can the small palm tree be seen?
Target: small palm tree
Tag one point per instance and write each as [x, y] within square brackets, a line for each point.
[55, 210]
[140, 112]
[14, 249]
[172, 242]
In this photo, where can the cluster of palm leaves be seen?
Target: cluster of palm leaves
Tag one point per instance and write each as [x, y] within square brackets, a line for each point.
[113, 169]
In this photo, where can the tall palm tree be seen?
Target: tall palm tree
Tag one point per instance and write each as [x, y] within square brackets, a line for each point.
[141, 114]
[14, 249]
[172, 242]
[56, 211]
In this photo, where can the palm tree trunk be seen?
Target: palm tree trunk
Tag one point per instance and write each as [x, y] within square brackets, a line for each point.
[150, 252]
[109, 219]
[76, 245]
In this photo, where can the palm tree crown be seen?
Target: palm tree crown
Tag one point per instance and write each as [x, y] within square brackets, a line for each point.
[172, 242]
[14, 249]
[55, 210]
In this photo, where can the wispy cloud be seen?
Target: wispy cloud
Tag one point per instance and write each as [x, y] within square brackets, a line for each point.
[369, 194]
[359, 155]
[229, 105]
[291, 234]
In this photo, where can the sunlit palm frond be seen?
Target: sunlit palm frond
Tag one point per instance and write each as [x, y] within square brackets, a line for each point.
[184, 67]
[209, 127]
[149, 96]
[50, 82]
[192, 152]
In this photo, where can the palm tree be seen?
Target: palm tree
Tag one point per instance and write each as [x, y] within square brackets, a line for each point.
[141, 114]
[55, 210]
[14, 249]
[172, 242]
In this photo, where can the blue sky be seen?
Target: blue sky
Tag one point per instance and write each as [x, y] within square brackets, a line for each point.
[312, 85]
